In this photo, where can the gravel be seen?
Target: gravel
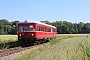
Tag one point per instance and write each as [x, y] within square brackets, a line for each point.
[11, 56]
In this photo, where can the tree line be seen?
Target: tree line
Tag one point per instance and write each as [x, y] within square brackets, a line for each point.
[7, 27]
[63, 27]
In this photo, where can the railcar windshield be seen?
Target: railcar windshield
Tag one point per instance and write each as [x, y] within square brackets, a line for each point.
[31, 28]
[26, 28]
[20, 29]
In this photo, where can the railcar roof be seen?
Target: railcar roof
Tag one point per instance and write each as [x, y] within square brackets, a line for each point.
[31, 21]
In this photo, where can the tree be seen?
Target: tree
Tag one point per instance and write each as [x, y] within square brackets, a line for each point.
[1, 29]
[46, 22]
[80, 27]
[63, 27]
[7, 27]
[86, 28]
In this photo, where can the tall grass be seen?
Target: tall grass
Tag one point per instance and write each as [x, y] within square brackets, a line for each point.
[60, 38]
[8, 41]
[10, 44]
[55, 50]
[64, 47]
[85, 48]
[82, 52]
[54, 41]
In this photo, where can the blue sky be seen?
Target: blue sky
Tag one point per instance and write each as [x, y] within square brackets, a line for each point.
[52, 10]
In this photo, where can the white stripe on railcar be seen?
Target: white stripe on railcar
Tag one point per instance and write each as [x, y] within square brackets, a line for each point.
[38, 23]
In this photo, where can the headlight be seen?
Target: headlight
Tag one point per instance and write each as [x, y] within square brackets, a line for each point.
[32, 34]
[20, 34]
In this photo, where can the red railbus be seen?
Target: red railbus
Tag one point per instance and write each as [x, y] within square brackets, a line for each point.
[30, 31]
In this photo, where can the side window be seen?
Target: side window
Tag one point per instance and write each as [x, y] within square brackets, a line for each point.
[39, 28]
[42, 28]
[46, 30]
[49, 29]
[53, 30]
[20, 29]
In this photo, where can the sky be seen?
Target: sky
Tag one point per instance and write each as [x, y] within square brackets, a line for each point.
[51, 10]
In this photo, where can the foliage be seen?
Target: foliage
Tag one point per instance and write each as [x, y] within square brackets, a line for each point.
[66, 49]
[10, 44]
[85, 48]
[8, 41]
[7, 27]
[63, 27]
[60, 38]
[54, 41]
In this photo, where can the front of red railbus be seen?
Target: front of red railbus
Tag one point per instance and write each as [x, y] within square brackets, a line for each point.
[26, 31]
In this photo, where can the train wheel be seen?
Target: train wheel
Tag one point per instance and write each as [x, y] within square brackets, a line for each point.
[48, 39]
[37, 42]
[41, 41]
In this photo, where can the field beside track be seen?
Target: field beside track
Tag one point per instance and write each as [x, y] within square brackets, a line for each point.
[64, 47]
[8, 37]
[7, 40]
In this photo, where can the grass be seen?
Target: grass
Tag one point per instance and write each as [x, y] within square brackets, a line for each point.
[54, 41]
[85, 49]
[26, 55]
[7, 41]
[64, 47]
[81, 52]
[8, 37]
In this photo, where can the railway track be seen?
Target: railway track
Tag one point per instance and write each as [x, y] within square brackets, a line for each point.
[7, 52]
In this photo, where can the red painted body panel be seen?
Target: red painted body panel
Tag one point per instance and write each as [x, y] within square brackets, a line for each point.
[37, 34]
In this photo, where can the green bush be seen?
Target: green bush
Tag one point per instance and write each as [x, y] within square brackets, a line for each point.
[54, 41]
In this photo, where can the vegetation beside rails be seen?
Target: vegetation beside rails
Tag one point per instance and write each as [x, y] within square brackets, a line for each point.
[63, 47]
[51, 51]
[9, 44]
[26, 55]
[61, 37]
[8, 41]
[85, 48]
[82, 52]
